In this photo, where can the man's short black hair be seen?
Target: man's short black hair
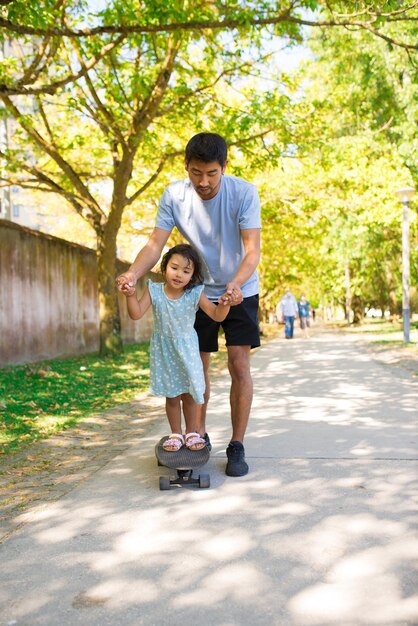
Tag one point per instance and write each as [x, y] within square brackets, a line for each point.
[207, 147]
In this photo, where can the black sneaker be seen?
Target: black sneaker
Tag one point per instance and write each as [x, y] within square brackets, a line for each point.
[236, 465]
[207, 441]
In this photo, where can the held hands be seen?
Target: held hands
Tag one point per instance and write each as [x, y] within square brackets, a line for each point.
[232, 296]
[126, 283]
[129, 291]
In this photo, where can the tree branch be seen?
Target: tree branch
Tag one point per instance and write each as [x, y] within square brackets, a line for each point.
[19, 89]
[153, 177]
[51, 186]
[108, 116]
[53, 152]
[204, 89]
[149, 107]
[226, 23]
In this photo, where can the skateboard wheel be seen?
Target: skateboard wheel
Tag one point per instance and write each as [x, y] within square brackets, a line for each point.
[204, 481]
[164, 483]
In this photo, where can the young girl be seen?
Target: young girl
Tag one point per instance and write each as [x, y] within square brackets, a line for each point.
[176, 370]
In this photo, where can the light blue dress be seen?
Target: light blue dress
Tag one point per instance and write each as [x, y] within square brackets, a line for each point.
[175, 363]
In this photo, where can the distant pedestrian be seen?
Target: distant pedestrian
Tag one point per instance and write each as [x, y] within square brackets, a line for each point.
[176, 369]
[289, 308]
[304, 309]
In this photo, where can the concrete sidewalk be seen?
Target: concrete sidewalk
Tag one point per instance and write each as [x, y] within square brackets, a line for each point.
[321, 531]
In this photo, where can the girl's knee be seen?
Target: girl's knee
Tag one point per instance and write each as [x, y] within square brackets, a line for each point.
[173, 402]
[187, 398]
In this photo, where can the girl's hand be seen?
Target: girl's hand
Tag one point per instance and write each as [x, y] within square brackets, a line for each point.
[126, 282]
[129, 291]
[234, 292]
[225, 299]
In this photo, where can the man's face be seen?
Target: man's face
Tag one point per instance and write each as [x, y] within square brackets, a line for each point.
[205, 177]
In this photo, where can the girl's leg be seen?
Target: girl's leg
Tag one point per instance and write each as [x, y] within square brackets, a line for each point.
[173, 410]
[193, 440]
[190, 412]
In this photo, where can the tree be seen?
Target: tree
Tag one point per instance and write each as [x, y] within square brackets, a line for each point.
[359, 145]
[102, 138]
[103, 101]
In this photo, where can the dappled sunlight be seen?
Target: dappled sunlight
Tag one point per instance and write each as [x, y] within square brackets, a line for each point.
[243, 583]
[118, 591]
[311, 525]
[321, 532]
[362, 588]
[303, 388]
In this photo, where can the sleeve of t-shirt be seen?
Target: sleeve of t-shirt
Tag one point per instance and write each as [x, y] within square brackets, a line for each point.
[151, 287]
[197, 292]
[165, 217]
[250, 209]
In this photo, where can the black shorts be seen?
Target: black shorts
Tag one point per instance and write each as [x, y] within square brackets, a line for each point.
[240, 327]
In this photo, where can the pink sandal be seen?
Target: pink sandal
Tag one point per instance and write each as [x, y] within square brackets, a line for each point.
[194, 441]
[174, 442]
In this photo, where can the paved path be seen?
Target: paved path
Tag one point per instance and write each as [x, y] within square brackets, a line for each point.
[320, 533]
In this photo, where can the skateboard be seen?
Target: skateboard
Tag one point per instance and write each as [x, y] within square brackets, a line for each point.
[184, 461]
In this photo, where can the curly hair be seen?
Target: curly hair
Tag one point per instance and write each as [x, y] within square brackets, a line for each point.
[192, 256]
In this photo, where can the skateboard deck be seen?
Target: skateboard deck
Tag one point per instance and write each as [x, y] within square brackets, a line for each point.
[184, 461]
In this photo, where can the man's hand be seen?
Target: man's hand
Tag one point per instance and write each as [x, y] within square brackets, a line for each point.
[126, 283]
[233, 293]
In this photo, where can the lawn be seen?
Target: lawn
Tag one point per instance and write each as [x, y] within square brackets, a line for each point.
[386, 332]
[41, 398]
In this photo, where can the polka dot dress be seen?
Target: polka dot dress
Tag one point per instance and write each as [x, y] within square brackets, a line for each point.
[175, 363]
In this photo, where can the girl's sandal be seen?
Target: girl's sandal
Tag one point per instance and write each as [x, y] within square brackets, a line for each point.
[174, 442]
[194, 441]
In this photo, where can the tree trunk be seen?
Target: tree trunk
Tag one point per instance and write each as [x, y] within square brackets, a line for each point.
[347, 293]
[357, 307]
[110, 324]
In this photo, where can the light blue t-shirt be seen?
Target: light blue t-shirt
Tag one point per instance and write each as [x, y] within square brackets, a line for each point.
[213, 227]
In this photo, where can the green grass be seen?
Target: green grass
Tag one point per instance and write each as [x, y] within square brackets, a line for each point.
[377, 326]
[39, 399]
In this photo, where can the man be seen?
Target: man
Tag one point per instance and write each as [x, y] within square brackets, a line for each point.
[289, 308]
[220, 216]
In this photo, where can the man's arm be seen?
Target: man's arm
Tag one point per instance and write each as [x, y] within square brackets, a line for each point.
[248, 265]
[145, 260]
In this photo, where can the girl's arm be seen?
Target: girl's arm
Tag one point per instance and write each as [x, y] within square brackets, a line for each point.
[137, 308]
[217, 312]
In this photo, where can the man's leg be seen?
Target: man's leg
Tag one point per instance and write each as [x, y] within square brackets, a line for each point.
[202, 408]
[241, 395]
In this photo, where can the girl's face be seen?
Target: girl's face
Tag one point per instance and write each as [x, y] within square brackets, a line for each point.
[179, 271]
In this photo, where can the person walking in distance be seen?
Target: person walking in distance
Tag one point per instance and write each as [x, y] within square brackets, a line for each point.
[176, 370]
[304, 309]
[220, 216]
[289, 309]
